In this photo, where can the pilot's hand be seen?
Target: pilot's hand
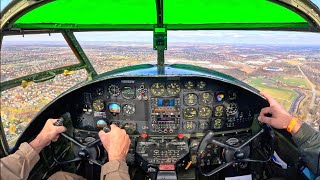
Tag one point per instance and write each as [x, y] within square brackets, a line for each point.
[48, 133]
[116, 142]
[280, 118]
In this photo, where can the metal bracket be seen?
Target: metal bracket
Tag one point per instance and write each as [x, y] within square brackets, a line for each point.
[78, 51]
[17, 82]
[18, 8]
[159, 7]
[304, 8]
[4, 149]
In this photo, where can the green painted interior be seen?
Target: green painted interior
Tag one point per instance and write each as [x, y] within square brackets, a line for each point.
[178, 14]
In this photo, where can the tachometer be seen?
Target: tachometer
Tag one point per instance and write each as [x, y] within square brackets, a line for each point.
[206, 98]
[128, 109]
[232, 109]
[190, 99]
[98, 105]
[114, 90]
[128, 92]
[157, 89]
[173, 88]
[204, 112]
[189, 113]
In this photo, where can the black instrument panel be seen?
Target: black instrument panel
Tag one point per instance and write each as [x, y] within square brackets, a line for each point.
[166, 105]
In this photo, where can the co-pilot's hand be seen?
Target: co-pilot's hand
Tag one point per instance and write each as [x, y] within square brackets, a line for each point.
[116, 142]
[280, 118]
[48, 133]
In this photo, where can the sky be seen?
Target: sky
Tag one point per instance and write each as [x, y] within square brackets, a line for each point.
[226, 37]
[220, 37]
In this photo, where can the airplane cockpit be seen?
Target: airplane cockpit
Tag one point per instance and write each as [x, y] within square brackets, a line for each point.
[184, 121]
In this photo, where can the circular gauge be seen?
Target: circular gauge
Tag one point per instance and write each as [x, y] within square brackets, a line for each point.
[189, 85]
[204, 112]
[114, 90]
[101, 123]
[219, 111]
[206, 98]
[190, 99]
[128, 92]
[217, 123]
[98, 105]
[189, 113]
[128, 109]
[99, 91]
[114, 108]
[189, 126]
[201, 85]
[203, 125]
[173, 89]
[232, 95]
[157, 89]
[232, 109]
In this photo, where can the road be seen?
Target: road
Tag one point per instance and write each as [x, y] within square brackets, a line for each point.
[313, 89]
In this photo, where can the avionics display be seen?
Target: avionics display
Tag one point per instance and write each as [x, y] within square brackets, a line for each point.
[166, 102]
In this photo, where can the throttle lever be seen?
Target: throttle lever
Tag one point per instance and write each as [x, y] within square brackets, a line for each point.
[59, 122]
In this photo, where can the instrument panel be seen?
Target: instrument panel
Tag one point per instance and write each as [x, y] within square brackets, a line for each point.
[166, 105]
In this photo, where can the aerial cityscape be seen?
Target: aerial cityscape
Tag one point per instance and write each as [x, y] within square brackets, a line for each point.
[290, 73]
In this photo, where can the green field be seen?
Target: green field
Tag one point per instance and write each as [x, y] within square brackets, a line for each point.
[293, 81]
[283, 95]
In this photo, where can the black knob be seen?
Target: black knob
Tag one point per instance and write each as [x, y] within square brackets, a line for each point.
[106, 129]
[59, 122]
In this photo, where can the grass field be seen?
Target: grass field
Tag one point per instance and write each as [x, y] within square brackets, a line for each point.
[283, 95]
[293, 81]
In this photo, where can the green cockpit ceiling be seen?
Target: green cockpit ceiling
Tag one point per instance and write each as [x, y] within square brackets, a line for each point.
[173, 14]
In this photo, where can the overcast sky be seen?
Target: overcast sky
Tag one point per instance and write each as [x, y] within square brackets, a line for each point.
[232, 37]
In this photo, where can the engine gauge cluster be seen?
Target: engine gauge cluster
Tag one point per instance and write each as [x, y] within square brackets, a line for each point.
[166, 106]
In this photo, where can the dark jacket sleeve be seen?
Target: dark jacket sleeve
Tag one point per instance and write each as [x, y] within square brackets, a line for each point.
[17, 166]
[308, 142]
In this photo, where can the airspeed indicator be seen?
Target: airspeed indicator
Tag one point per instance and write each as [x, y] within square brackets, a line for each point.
[157, 89]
